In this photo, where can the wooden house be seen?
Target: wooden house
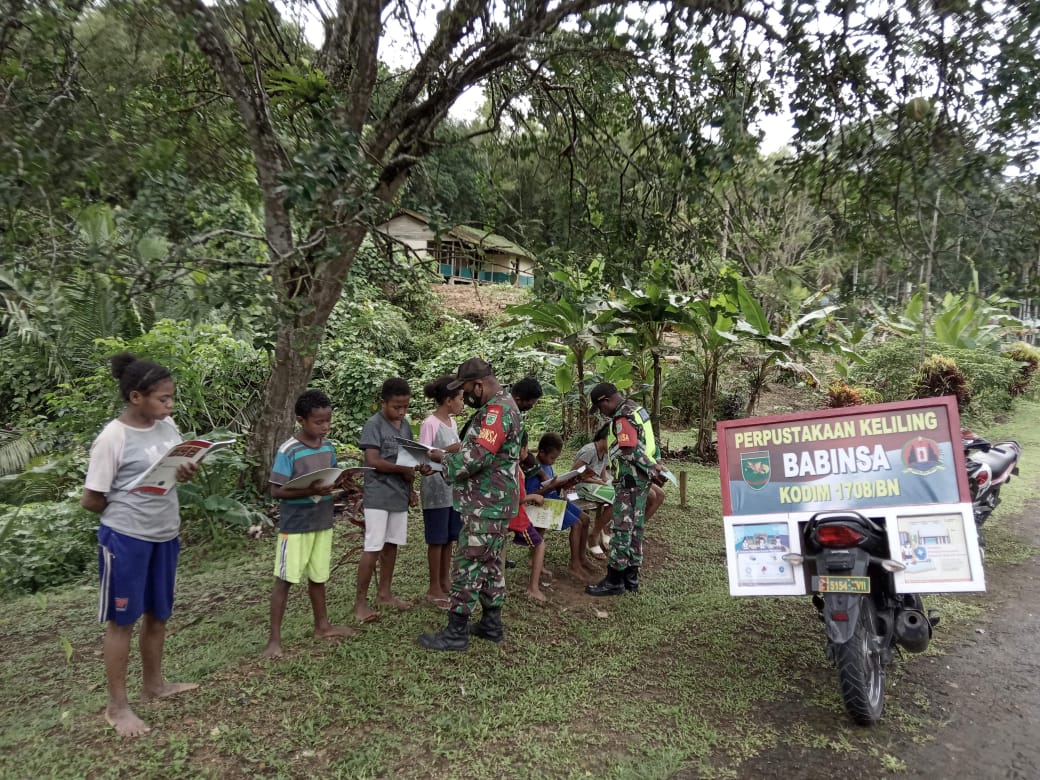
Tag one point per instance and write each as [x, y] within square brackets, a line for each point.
[460, 254]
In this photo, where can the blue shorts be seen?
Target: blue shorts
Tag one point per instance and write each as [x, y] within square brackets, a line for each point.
[570, 516]
[136, 577]
[442, 525]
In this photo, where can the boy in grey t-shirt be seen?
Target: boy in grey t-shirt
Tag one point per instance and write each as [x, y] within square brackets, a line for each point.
[389, 491]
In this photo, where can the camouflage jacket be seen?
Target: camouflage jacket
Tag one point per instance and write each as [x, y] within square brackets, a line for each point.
[628, 452]
[484, 470]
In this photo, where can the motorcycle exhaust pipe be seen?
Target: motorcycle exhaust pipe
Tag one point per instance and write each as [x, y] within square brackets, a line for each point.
[913, 630]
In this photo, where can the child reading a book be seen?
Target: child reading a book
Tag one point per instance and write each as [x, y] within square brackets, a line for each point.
[441, 521]
[524, 531]
[575, 521]
[389, 491]
[138, 537]
[305, 525]
[595, 486]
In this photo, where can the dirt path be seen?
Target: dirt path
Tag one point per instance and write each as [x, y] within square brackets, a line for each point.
[982, 697]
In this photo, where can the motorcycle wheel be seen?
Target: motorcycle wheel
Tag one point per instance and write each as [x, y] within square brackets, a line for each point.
[861, 670]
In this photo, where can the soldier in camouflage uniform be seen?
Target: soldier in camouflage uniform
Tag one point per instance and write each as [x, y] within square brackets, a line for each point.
[634, 473]
[487, 494]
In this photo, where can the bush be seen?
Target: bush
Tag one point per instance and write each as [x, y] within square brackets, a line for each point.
[940, 376]
[1027, 359]
[841, 395]
[219, 380]
[45, 544]
[892, 368]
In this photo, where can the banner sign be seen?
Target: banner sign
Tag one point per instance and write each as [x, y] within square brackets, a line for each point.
[861, 457]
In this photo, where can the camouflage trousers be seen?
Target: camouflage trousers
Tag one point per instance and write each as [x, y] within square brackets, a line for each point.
[477, 570]
[626, 530]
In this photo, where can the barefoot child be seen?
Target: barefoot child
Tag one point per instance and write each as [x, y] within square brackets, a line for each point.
[389, 491]
[305, 525]
[138, 537]
[441, 521]
[575, 521]
[524, 531]
[597, 475]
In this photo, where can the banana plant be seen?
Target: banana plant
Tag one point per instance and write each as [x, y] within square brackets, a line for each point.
[641, 317]
[794, 343]
[961, 320]
[564, 326]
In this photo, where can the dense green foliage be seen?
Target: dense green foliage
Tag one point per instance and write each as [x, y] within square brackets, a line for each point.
[893, 370]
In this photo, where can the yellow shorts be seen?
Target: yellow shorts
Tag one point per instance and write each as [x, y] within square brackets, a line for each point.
[303, 555]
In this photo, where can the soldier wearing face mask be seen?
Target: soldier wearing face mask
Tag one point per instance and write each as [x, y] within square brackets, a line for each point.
[487, 492]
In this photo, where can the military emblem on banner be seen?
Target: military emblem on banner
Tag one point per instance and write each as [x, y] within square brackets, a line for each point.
[492, 418]
[922, 456]
[754, 468]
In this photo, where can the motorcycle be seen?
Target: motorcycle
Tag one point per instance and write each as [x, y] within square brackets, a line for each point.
[864, 618]
[990, 466]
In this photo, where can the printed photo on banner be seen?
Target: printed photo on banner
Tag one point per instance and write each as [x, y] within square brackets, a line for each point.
[757, 556]
[939, 548]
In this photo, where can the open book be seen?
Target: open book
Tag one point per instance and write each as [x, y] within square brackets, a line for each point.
[324, 476]
[327, 476]
[413, 453]
[567, 476]
[549, 515]
[161, 478]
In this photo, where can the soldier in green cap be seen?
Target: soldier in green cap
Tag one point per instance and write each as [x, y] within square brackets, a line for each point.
[484, 474]
[635, 471]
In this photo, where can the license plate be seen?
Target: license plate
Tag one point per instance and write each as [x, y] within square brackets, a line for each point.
[841, 584]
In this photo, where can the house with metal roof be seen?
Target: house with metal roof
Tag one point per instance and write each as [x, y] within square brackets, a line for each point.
[461, 254]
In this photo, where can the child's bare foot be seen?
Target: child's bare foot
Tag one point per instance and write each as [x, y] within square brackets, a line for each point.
[334, 632]
[273, 650]
[579, 573]
[365, 614]
[125, 721]
[167, 690]
[395, 601]
[536, 595]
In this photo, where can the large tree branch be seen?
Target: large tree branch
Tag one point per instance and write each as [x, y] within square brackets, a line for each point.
[251, 101]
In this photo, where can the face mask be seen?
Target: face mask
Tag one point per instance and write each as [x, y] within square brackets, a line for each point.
[471, 399]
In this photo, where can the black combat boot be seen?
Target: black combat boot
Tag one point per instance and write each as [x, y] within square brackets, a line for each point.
[490, 625]
[632, 579]
[454, 637]
[611, 585]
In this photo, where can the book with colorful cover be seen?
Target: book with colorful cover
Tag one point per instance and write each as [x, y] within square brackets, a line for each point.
[549, 515]
[161, 478]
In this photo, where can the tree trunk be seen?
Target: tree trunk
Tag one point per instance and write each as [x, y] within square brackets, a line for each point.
[655, 403]
[757, 384]
[706, 417]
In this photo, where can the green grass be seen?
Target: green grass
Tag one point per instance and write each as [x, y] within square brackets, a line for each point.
[681, 679]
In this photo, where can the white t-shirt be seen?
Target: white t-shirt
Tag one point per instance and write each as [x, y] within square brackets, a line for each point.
[596, 464]
[118, 456]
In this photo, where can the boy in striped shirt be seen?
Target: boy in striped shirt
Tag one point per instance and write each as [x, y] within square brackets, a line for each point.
[305, 525]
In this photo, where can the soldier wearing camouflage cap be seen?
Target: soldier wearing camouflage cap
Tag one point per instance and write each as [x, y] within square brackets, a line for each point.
[634, 472]
[484, 474]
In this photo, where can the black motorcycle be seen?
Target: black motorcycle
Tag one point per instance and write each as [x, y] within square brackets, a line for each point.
[865, 619]
[990, 467]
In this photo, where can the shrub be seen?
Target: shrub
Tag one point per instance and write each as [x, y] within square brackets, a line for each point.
[891, 369]
[219, 380]
[940, 376]
[1027, 358]
[840, 395]
[44, 545]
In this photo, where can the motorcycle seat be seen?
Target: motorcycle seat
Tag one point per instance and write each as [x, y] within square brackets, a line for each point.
[997, 458]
